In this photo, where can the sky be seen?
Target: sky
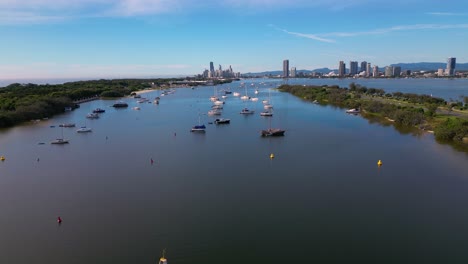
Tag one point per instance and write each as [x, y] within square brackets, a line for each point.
[45, 39]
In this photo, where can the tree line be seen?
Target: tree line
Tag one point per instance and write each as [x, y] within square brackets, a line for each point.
[23, 102]
[415, 110]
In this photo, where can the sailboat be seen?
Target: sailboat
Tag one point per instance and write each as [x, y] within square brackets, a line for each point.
[272, 132]
[163, 259]
[199, 127]
[84, 129]
[267, 103]
[60, 140]
[245, 97]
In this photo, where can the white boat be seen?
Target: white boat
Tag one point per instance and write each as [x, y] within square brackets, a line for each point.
[142, 100]
[353, 111]
[224, 96]
[92, 115]
[245, 97]
[217, 107]
[214, 98]
[136, 108]
[267, 106]
[266, 113]
[254, 99]
[214, 112]
[218, 102]
[265, 101]
[59, 141]
[256, 91]
[84, 129]
[236, 94]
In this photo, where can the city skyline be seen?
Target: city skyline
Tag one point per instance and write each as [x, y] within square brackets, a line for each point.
[144, 38]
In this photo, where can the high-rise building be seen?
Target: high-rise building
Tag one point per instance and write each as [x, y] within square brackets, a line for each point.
[286, 68]
[212, 68]
[353, 68]
[293, 72]
[342, 69]
[389, 71]
[451, 62]
[440, 72]
[375, 71]
[363, 66]
[396, 71]
[368, 69]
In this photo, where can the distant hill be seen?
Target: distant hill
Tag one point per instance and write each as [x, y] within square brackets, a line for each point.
[419, 66]
[429, 66]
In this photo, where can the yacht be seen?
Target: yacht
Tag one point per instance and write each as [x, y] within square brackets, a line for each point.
[246, 111]
[120, 104]
[59, 141]
[219, 121]
[273, 132]
[99, 110]
[84, 129]
[267, 106]
[266, 113]
[67, 125]
[353, 111]
[214, 112]
[92, 116]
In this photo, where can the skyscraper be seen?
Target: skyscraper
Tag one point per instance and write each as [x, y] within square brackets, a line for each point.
[286, 68]
[368, 69]
[389, 71]
[451, 62]
[212, 71]
[353, 68]
[375, 71]
[342, 69]
[363, 66]
[293, 72]
[396, 71]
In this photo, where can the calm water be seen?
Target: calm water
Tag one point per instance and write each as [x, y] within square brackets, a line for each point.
[219, 198]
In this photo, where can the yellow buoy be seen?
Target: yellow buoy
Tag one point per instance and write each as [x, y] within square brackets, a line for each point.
[272, 156]
[2, 158]
[379, 163]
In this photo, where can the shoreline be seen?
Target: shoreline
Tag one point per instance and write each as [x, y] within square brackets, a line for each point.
[145, 91]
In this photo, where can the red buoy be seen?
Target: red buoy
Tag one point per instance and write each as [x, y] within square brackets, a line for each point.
[59, 220]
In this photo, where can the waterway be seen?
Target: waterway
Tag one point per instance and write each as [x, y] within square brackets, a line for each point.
[217, 197]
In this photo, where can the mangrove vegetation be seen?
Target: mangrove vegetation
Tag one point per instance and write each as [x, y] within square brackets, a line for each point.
[24, 102]
[448, 120]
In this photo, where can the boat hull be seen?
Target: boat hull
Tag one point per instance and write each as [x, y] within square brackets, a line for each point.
[273, 133]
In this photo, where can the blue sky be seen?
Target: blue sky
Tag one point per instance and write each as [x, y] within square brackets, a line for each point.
[149, 38]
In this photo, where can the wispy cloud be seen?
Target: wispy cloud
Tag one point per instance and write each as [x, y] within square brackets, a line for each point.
[303, 35]
[397, 28]
[325, 37]
[446, 14]
[27, 18]
[276, 4]
[42, 11]
[45, 11]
